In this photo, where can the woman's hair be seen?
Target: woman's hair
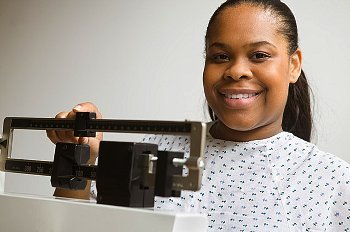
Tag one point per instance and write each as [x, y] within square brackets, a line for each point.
[297, 118]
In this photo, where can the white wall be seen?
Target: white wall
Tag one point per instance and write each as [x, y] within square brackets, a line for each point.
[325, 31]
[144, 60]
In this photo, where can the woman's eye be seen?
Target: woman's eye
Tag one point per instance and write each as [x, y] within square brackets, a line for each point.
[221, 58]
[260, 56]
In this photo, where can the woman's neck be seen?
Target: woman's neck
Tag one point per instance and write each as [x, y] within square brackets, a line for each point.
[221, 131]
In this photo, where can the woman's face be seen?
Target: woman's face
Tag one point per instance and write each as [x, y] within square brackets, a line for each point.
[247, 73]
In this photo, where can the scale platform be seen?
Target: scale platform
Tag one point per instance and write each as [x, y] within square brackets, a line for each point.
[39, 214]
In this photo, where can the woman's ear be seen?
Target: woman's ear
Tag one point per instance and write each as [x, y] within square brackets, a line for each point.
[295, 65]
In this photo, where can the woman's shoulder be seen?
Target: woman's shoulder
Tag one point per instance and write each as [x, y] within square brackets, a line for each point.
[308, 157]
[320, 158]
[320, 181]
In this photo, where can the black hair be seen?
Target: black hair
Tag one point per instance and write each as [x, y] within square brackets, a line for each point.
[297, 118]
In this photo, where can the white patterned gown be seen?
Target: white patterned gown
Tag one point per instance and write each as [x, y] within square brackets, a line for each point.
[280, 184]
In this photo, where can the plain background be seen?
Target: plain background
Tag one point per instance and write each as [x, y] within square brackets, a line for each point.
[144, 60]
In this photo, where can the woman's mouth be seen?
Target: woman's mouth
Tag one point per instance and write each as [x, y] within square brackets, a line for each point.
[241, 95]
[240, 99]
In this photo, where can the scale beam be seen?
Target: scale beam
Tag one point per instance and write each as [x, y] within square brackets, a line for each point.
[85, 125]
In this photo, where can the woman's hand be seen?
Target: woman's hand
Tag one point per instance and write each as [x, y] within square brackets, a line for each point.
[68, 136]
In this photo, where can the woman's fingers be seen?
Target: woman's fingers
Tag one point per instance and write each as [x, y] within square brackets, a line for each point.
[87, 107]
[61, 135]
[51, 134]
[83, 140]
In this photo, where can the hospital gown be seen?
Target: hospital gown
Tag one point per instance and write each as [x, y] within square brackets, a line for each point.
[281, 183]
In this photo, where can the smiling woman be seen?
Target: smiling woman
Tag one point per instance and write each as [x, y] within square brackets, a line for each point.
[249, 68]
[259, 175]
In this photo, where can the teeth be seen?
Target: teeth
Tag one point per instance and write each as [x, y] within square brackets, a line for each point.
[240, 96]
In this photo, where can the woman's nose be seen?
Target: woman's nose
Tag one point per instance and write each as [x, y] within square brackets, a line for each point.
[237, 70]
